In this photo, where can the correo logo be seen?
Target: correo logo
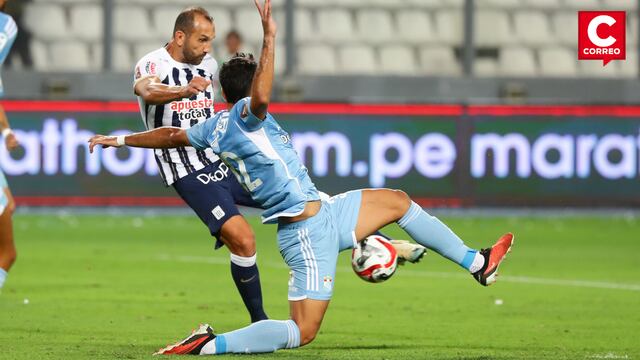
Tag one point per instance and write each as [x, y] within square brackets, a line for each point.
[601, 35]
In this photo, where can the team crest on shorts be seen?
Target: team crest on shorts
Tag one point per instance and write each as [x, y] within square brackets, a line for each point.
[328, 282]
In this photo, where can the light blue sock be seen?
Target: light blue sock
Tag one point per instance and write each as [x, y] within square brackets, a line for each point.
[431, 233]
[260, 337]
[3, 277]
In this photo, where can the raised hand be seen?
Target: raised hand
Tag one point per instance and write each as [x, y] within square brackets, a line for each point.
[268, 24]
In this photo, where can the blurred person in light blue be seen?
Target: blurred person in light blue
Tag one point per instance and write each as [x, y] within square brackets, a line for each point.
[8, 32]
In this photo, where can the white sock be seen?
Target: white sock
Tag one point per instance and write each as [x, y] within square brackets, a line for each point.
[209, 348]
[477, 264]
[3, 277]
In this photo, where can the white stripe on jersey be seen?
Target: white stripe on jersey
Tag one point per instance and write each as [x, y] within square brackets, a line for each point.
[185, 113]
[10, 28]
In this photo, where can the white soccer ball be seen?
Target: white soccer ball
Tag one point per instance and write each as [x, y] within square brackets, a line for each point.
[374, 259]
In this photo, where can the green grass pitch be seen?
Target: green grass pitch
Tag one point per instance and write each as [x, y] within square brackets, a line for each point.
[121, 287]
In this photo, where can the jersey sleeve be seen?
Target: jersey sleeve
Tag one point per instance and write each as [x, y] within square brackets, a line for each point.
[146, 67]
[8, 33]
[252, 122]
[3, 181]
[198, 134]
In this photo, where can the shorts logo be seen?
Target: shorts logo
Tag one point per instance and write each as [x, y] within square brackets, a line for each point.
[217, 212]
[327, 282]
[218, 175]
[601, 35]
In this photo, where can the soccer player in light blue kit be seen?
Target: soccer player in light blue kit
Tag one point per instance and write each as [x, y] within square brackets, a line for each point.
[311, 232]
[8, 33]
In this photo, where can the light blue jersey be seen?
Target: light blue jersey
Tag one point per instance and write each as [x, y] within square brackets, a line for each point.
[261, 156]
[8, 33]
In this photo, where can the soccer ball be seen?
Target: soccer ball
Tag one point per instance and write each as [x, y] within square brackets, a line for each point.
[374, 259]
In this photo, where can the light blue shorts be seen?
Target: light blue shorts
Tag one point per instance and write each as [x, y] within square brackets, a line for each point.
[3, 198]
[310, 247]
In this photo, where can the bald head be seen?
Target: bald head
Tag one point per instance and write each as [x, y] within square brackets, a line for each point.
[189, 18]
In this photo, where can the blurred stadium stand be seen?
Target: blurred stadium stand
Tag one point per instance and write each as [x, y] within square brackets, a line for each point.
[525, 40]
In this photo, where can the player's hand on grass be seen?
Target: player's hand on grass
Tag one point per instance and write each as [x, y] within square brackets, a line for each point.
[196, 85]
[11, 142]
[268, 24]
[105, 141]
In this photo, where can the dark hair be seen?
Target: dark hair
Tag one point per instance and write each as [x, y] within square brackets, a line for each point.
[234, 33]
[236, 76]
[184, 21]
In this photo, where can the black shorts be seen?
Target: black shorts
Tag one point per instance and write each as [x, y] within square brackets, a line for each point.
[214, 193]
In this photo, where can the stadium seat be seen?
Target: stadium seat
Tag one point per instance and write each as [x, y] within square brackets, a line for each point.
[449, 27]
[46, 21]
[507, 4]
[357, 59]
[439, 61]
[120, 58]
[581, 4]
[414, 26]
[304, 29]
[223, 22]
[317, 59]
[87, 22]
[491, 28]
[70, 56]
[132, 23]
[335, 25]
[485, 67]
[374, 26]
[620, 4]
[594, 69]
[565, 25]
[541, 4]
[517, 61]
[248, 24]
[557, 62]
[397, 60]
[632, 28]
[427, 4]
[453, 3]
[164, 18]
[143, 48]
[532, 28]
[39, 55]
[629, 67]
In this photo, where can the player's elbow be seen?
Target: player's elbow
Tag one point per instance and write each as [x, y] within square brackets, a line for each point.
[177, 138]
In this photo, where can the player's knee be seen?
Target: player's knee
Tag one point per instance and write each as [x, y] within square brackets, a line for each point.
[308, 332]
[400, 202]
[243, 244]
[8, 256]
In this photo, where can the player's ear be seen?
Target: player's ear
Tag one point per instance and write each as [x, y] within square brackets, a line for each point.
[179, 37]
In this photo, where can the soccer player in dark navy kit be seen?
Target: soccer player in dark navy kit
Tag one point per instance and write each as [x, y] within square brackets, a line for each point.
[174, 88]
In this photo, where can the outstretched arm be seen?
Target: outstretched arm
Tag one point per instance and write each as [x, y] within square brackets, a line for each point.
[160, 138]
[263, 78]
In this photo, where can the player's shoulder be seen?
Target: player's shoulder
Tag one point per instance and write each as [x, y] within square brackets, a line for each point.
[8, 24]
[152, 63]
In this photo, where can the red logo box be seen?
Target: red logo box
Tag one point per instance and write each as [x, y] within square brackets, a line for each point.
[602, 35]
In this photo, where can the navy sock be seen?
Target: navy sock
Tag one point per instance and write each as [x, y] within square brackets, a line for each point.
[247, 278]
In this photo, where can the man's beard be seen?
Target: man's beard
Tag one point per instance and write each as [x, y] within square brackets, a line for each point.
[190, 58]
